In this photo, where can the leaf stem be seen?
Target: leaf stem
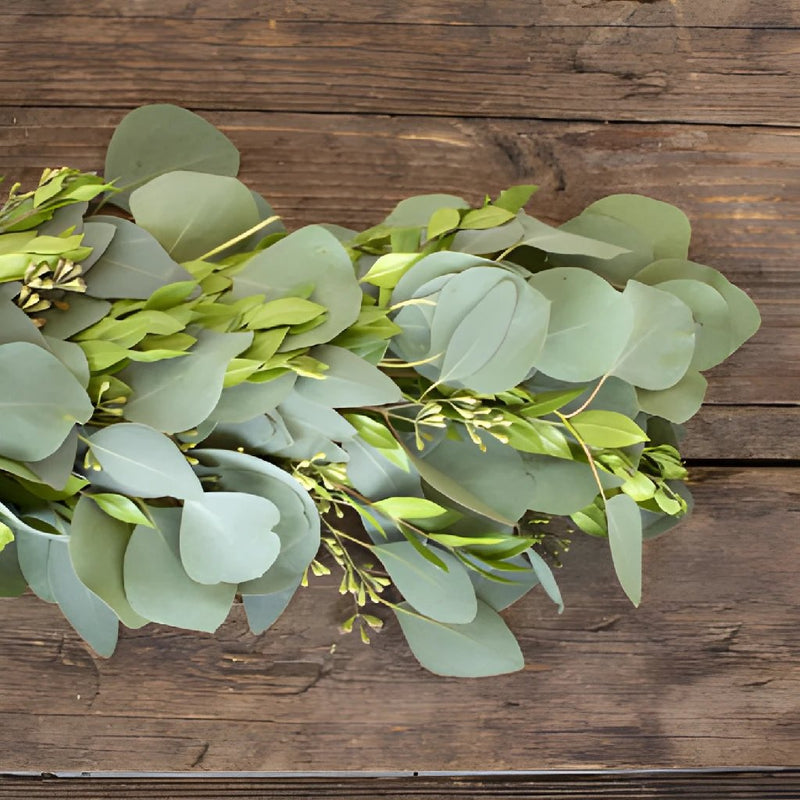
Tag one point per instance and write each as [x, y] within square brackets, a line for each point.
[571, 428]
[239, 238]
[589, 399]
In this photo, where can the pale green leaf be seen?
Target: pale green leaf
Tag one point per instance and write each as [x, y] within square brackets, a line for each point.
[133, 266]
[84, 610]
[416, 211]
[556, 240]
[97, 547]
[192, 213]
[678, 403]
[228, 537]
[625, 538]
[348, 381]
[661, 345]
[446, 596]
[157, 585]
[263, 610]
[477, 649]
[316, 258]
[40, 402]
[176, 395]
[142, 462]
[159, 138]
[666, 226]
[589, 324]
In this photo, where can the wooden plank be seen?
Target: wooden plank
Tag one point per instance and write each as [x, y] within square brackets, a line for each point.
[510, 13]
[705, 673]
[743, 433]
[351, 170]
[606, 72]
[711, 785]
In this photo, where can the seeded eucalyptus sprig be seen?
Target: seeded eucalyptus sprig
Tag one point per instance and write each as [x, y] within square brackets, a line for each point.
[201, 406]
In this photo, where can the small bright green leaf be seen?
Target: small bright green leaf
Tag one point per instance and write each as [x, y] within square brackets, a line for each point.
[515, 197]
[442, 221]
[591, 520]
[316, 258]
[120, 507]
[546, 402]
[284, 311]
[607, 429]
[536, 436]
[408, 508]
[6, 535]
[487, 217]
[388, 269]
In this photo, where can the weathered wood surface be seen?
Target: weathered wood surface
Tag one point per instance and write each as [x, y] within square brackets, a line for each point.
[351, 170]
[678, 73]
[706, 672]
[745, 785]
[341, 109]
[510, 13]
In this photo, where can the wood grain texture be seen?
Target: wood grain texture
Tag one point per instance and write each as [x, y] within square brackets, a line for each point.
[509, 13]
[705, 672]
[744, 785]
[736, 185]
[601, 72]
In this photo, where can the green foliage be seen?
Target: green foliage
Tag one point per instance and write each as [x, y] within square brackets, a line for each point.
[199, 405]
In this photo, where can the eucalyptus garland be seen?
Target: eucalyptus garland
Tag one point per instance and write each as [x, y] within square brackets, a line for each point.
[199, 406]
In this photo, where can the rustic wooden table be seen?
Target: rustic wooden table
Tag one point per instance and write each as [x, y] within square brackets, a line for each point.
[340, 109]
